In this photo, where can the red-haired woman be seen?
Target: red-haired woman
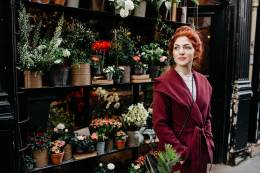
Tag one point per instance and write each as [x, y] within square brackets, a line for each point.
[181, 105]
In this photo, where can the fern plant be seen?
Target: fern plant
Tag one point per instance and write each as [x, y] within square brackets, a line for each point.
[167, 159]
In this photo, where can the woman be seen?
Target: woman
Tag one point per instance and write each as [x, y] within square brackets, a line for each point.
[181, 105]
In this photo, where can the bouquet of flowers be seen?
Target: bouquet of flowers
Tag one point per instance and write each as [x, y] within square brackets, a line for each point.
[100, 48]
[57, 146]
[136, 116]
[104, 127]
[106, 103]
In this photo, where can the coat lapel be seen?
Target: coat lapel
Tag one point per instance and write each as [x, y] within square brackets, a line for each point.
[173, 85]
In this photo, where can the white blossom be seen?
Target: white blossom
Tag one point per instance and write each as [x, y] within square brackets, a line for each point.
[129, 5]
[60, 126]
[110, 166]
[66, 53]
[124, 12]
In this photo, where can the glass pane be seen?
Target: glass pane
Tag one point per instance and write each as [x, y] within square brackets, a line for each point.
[203, 27]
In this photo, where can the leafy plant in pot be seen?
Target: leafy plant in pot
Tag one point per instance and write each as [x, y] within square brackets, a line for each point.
[78, 38]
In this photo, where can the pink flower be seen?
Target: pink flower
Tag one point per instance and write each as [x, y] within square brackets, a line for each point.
[163, 58]
[136, 58]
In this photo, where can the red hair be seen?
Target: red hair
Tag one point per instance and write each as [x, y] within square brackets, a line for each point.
[194, 38]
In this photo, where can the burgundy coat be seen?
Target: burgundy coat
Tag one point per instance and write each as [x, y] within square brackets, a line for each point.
[172, 102]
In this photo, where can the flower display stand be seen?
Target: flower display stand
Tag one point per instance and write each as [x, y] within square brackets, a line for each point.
[140, 78]
[57, 158]
[40, 157]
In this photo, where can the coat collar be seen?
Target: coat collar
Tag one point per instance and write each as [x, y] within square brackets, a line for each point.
[172, 84]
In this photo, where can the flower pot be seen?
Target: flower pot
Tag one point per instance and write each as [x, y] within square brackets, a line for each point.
[98, 5]
[79, 150]
[80, 74]
[139, 71]
[135, 138]
[109, 76]
[127, 74]
[32, 79]
[117, 81]
[154, 71]
[109, 145]
[57, 158]
[59, 75]
[100, 148]
[73, 3]
[40, 157]
[141, 9]
[120, 144]
[67, 152]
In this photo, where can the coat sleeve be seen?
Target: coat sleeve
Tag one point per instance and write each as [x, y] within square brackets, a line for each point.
[161, 124]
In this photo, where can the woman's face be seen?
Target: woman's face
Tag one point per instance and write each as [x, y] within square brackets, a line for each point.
[183, 52]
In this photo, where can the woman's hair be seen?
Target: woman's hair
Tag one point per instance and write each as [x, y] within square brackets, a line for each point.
[193, 36]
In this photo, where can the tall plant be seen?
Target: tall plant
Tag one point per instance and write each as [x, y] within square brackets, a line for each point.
[78, 39]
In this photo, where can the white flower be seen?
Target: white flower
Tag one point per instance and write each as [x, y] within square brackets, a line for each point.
[136, 166]
[57, 44]
[57, 61]
[66, 130]
[100, 165]
[66, 53]
[81, 138]
[60, 126]
[129, 5]
[117, 105]
[124, 12]
[110, 166]
[41, 47]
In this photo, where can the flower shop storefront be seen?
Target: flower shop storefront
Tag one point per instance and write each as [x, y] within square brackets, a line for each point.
[82, 75]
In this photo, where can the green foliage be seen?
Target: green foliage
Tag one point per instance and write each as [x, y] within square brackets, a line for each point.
[59, 115]
[151, 53]
[78, 39]
[167, 159]
[122, 46]
[34, 53]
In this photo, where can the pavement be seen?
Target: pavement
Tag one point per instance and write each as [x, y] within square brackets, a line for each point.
[251, 165]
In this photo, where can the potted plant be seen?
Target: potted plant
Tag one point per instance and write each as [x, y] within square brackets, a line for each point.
[134, 119]
[39, 143]
[120, 139]
[78, 38]
[152, 53]
[60, 132]
[121, 51]
[138, 66]
[109, 72]
[100, 49]
[119, 73]
[57, 151]
[83, 144]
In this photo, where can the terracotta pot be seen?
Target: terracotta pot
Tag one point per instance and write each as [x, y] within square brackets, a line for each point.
[40, 157]
[120, 144]
[57, 158]
[59, 2]
[109, 145]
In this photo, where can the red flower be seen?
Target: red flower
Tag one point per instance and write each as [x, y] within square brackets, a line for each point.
[101, 46]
